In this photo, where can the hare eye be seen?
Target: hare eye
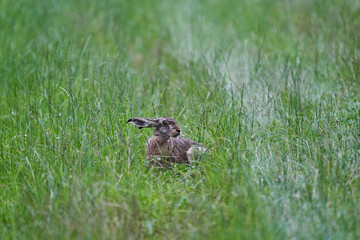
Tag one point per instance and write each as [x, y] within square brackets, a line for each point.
[164, 122]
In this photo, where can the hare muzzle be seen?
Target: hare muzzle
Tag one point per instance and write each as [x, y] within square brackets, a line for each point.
[175, 132]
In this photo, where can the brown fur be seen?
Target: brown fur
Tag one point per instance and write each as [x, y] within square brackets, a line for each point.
[165, 143]
[173, 149]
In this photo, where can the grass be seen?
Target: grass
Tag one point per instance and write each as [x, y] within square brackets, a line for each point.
[270, 86]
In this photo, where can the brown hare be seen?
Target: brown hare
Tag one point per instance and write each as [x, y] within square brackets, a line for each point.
[166, 144]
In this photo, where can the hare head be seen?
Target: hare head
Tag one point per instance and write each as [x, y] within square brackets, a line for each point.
[164, 126]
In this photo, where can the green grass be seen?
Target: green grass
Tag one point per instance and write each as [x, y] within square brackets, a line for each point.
[272, 87]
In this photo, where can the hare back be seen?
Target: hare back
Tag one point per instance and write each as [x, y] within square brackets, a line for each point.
[173, 149]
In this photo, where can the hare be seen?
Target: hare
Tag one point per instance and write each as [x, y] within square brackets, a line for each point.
[165, 143]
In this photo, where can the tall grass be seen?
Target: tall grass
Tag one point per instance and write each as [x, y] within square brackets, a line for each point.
[271, 87]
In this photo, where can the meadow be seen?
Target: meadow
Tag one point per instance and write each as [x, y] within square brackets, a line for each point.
[270, 87]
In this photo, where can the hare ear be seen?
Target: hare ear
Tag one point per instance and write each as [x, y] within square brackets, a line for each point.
[143, 122]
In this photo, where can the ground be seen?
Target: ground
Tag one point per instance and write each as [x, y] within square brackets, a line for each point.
[270, 87]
